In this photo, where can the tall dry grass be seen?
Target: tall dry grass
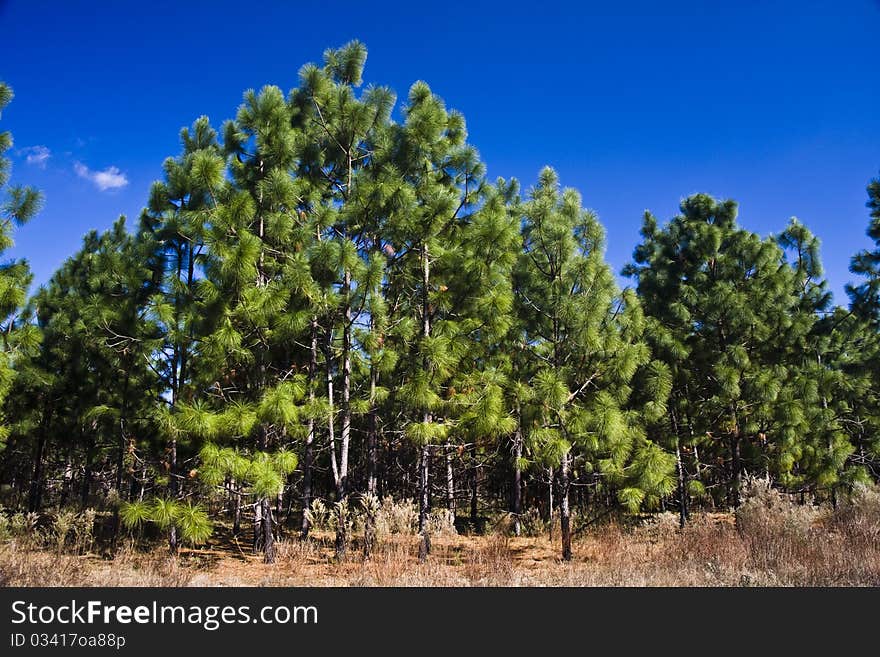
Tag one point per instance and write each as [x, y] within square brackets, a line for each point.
[769, 541]
[31, 567]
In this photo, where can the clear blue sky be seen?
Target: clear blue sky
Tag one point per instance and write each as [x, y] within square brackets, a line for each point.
[775, 104]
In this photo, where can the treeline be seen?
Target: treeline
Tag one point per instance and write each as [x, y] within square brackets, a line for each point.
[321, 302]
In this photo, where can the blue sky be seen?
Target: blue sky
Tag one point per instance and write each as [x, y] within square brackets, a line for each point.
[637, 104]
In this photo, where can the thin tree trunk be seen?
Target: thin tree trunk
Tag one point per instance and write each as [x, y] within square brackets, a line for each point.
[143, 488]
[450, 482]
[35, 497]
[564, 511]
[236, 513]
[331, 429]
[550, 502]
[373, 436]
[372, 467]
[424, 470]
[68, 479]
[258, 526]
[735, 463]
[87, 472]
[425, 542]
[475, 493]
[120, 459]
[310, 436]
[345, 433]
[698, 466]
[682, 489]
[173, 489]
[833, 491]
[679, 466]
[268, 536]
[517, 480]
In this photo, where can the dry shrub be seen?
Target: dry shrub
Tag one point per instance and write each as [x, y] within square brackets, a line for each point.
[661, 525]
[777, 532]
[342, 516]
[24, 527]
[396, 517]
[318, 515]
[441, 523]
[491, 562]
[297, 552]
[391, 563]
[73, 531]
[532, 524]
[858, 516]
[707, 552]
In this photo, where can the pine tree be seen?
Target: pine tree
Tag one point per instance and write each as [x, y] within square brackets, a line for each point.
[345, 135]
[858, 345]
[444, 176]
[823, 446]
[91, 377]
[865, 297]
[482, 296]
[725, 309]
[255, 293]
[118, 318]
[174, 223]
[66, 376]
[582, 336]
[19, 204]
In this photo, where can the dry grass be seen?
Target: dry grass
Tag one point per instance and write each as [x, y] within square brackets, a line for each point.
[768, 542]
[32, 567]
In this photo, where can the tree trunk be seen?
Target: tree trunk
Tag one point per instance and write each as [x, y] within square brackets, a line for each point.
[67, 479]
[425, 542]
[345, 433]
[87, 473]
[517, 480]
[564, 511]
[310, 435]
[733, 497]
[236, 513]
[258, 527]
[550, 502]
[369, 533]
[475, 476]
[372, 467]
[35, 497]
[120, 458]
[450, 483]
[172, 466]
[698, 466]
[424, 462]
[267, 531]
[679, 467]
[36, 488]
[373, 436]
[735, 463]
[682, 489]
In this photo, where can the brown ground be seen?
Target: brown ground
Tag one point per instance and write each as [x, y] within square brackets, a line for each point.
[797, 549]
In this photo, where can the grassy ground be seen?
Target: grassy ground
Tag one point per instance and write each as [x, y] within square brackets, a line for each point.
[763, 545]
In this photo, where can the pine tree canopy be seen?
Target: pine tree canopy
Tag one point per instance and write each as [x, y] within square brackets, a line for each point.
[326, 301]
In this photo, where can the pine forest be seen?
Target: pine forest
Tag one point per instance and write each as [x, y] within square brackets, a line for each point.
[330, 336]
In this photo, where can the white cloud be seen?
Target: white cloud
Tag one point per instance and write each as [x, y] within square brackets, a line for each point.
[37, 155]
[109, 178]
